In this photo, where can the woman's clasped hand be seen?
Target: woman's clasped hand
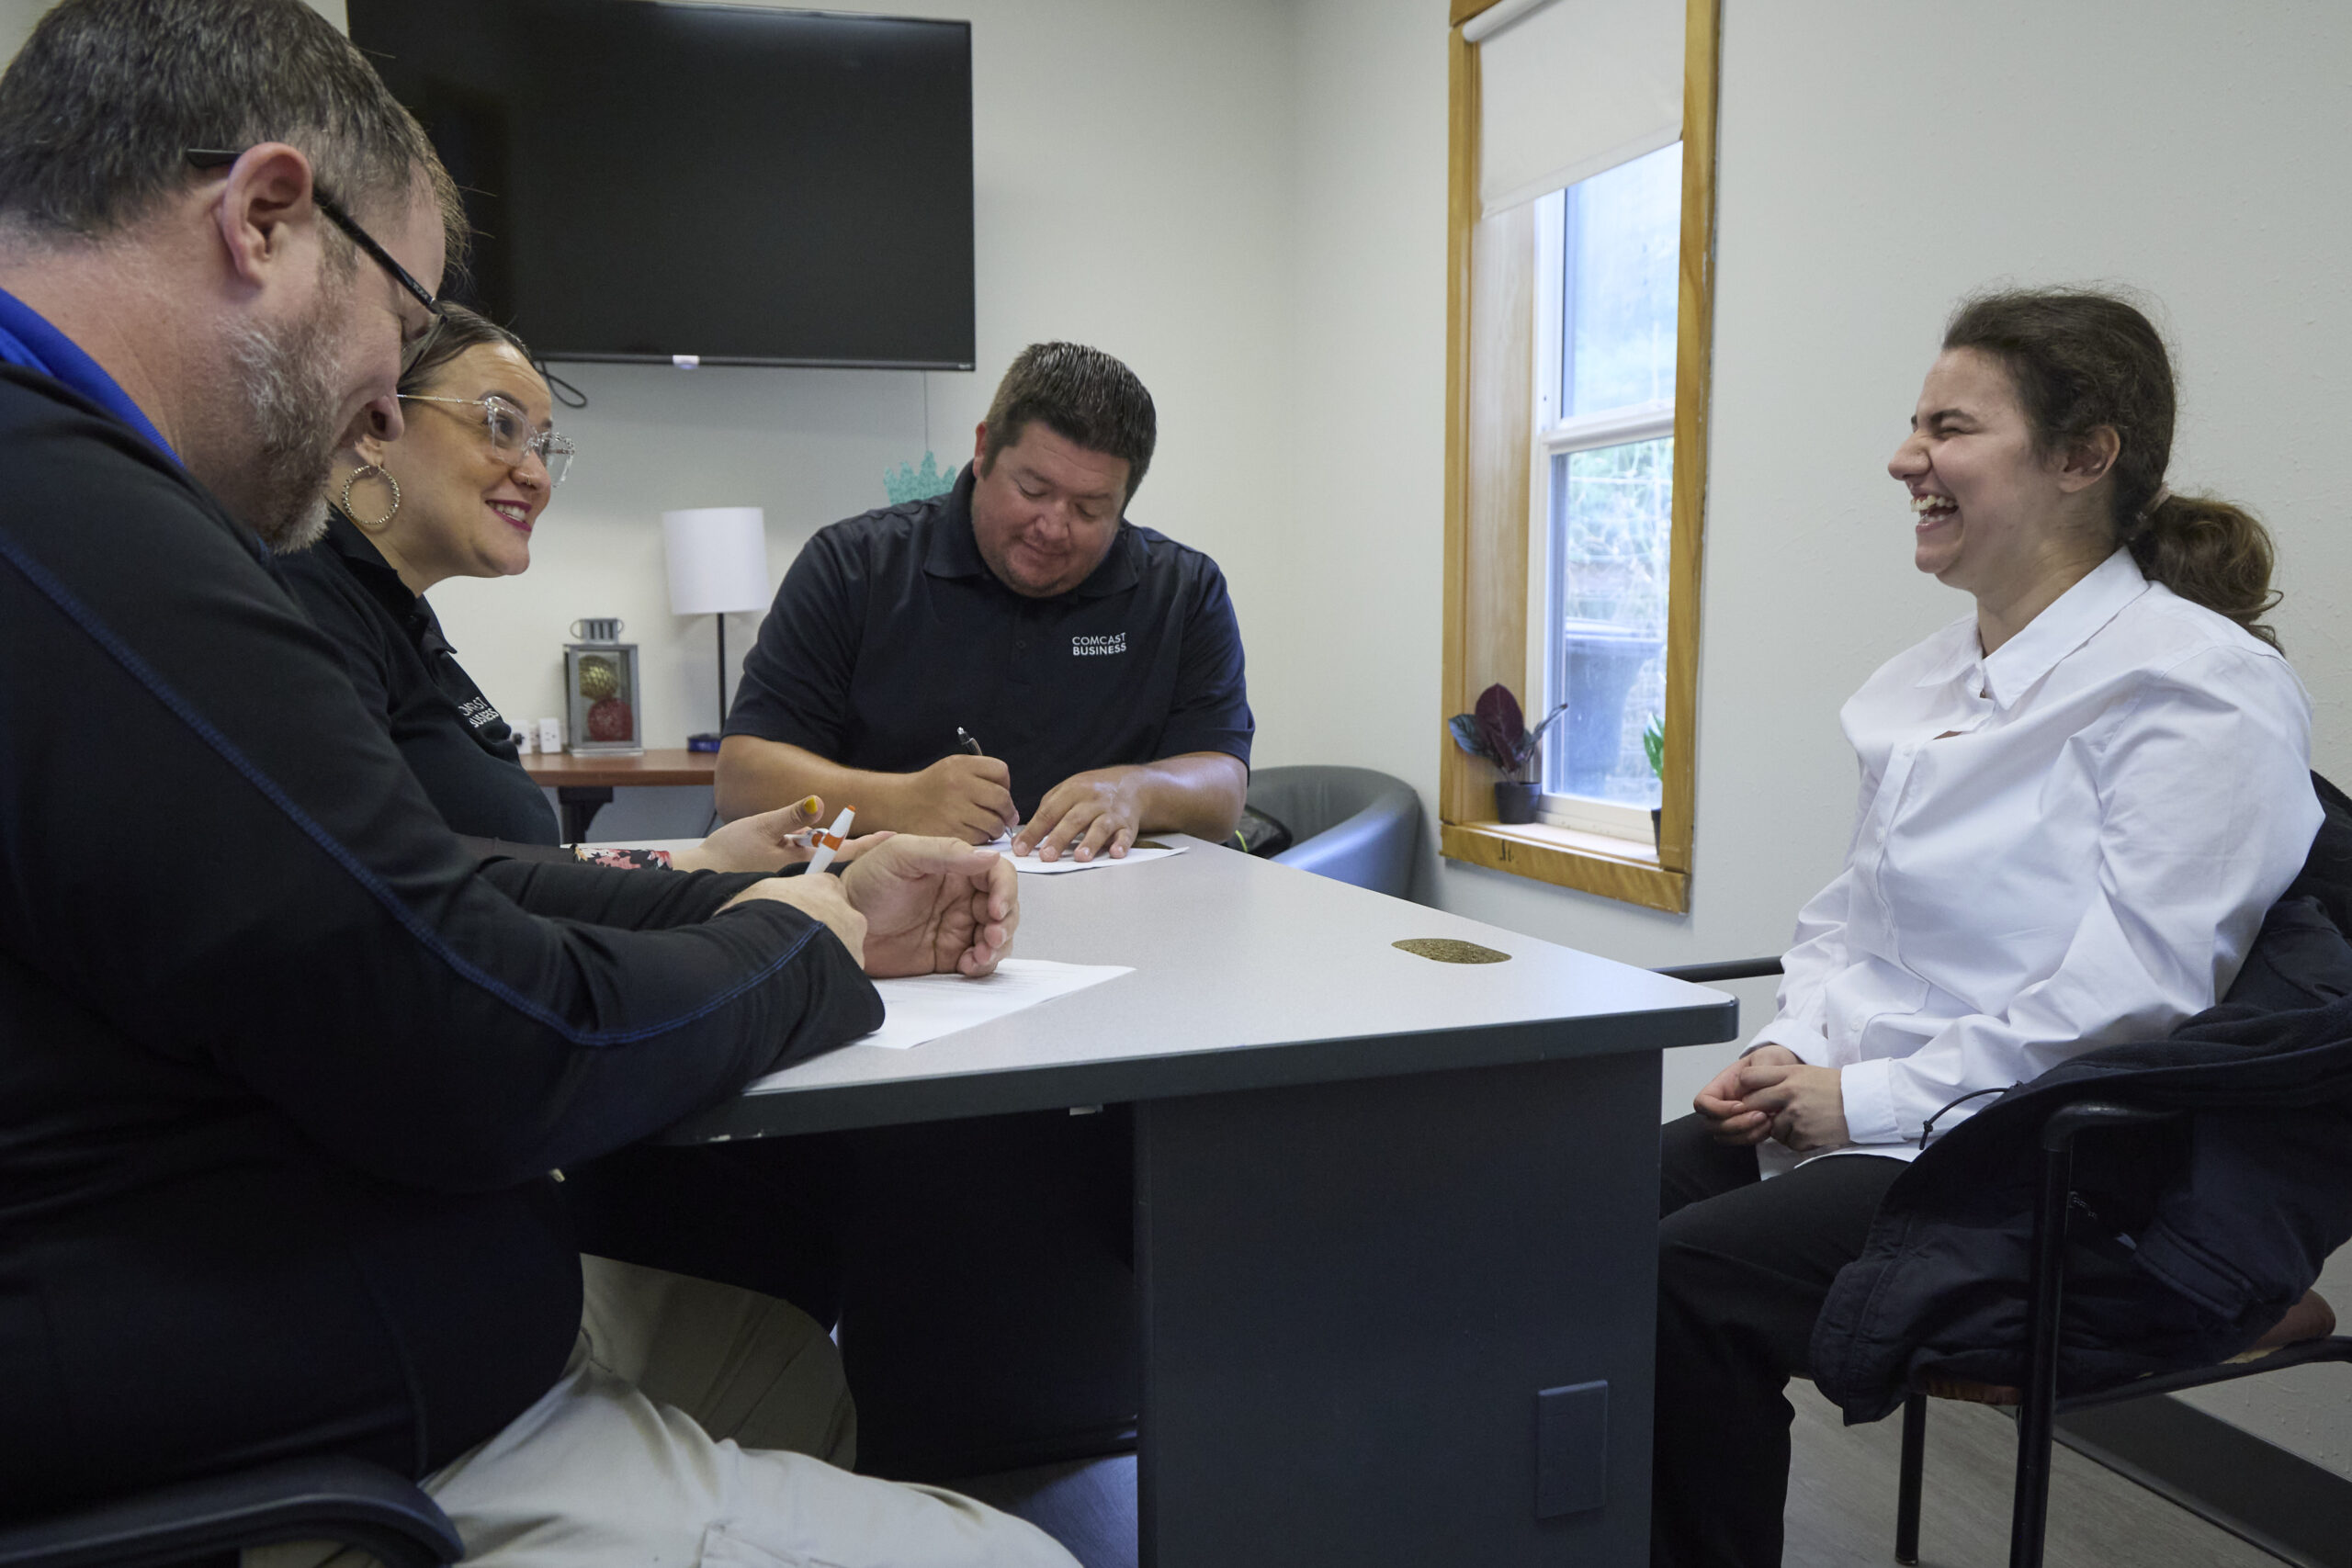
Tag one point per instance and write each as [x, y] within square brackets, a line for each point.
[1771, 1092]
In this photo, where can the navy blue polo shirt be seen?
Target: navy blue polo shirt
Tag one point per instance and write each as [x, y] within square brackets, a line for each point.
[890, 631]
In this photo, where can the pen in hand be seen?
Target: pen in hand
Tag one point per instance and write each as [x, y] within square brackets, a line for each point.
[969, 744]
[828, 843]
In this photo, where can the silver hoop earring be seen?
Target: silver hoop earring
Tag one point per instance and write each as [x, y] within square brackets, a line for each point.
[370, 470]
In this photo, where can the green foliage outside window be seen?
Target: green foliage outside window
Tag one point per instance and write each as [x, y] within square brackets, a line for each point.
[1615, 524]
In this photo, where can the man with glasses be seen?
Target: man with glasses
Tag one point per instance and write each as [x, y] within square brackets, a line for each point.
[283, 1070]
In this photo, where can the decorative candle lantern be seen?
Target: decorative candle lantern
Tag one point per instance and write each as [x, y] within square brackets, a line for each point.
[601, 689]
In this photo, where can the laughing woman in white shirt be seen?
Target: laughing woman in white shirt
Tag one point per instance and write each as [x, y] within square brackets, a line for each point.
[2077, 801]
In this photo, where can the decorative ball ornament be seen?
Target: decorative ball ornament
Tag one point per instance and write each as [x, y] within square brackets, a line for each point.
[598, 679]
[610, 719]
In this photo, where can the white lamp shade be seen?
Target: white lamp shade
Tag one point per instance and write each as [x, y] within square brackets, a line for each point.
[718, 559]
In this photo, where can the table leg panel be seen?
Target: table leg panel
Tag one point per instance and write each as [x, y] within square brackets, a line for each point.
[578, 805]
[1352, 1293]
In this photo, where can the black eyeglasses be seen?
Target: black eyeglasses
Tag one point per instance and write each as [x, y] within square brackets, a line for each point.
[220, 158]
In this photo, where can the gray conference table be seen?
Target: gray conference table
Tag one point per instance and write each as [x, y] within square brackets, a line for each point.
[1382, 1202]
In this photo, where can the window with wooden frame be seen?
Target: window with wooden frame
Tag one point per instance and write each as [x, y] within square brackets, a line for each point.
[1578, 319]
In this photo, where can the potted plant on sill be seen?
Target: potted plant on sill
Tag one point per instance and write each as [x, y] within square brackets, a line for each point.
[1653, 748]
[1497, 731]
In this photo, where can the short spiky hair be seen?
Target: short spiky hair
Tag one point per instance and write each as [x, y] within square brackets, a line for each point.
[1082, 395]
[100, 107]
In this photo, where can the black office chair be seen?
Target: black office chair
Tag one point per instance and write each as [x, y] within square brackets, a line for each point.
[2304, 1336]
[345, 1500]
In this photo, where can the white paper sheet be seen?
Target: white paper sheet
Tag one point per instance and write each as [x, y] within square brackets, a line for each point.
[929, 1006]
[1030, 865]
[1027, 865]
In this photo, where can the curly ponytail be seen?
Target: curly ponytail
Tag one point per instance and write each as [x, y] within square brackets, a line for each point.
[2081, 360]
[2207, 549]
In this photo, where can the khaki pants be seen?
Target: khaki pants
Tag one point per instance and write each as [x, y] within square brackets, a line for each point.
[682, 1433]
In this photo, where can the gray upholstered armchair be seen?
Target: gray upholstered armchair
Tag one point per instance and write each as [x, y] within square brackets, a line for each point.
[1351, 824]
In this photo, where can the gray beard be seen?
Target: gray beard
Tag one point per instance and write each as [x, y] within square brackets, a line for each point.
[288, 380]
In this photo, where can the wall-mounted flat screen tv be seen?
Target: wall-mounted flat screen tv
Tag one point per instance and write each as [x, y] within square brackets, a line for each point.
[744, 186]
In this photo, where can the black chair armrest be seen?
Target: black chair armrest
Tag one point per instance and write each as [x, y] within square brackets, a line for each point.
[2084, 1115]
[346, 1500]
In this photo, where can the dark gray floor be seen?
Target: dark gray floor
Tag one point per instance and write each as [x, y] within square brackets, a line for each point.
[1841, 1500]
[1088, 1505]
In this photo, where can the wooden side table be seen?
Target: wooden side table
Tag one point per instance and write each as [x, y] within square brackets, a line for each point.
[583, 783]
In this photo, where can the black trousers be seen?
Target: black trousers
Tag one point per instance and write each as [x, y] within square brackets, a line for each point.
[770, 1214]
[981, 1273]
[1744, 1265]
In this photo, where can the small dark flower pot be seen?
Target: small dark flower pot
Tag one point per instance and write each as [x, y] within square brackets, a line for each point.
[1515, 801]
[1656, 812]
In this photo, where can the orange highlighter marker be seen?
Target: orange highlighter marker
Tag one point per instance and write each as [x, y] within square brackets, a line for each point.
[828, 843]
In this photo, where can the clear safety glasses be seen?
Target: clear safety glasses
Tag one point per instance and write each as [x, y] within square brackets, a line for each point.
[510, 433]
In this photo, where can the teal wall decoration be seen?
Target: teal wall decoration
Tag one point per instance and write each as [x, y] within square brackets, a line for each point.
[906, 482]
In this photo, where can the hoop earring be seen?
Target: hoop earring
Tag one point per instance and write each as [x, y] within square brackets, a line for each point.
[370, 470]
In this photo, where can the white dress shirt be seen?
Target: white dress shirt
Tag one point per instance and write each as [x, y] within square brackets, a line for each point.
[2066, 844]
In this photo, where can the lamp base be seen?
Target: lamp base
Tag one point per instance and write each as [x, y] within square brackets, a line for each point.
[702, 742]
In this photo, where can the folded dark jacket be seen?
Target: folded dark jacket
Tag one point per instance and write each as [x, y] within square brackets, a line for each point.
[2191, 1239]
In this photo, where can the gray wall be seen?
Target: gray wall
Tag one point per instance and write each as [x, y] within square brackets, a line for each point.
[17, 19]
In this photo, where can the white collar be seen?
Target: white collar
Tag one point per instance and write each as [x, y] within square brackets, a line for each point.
[2071, 620]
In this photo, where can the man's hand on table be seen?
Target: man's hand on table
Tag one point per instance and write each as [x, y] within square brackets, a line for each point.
[960, 796]
[1772, 1093]
[765, 841]
[911, 905]
[933, 907]
[1089, 814]
[821, 897]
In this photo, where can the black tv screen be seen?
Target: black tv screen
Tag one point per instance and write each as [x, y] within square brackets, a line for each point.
[650, 180]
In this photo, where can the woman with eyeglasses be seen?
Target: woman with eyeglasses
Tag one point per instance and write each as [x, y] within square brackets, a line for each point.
[458, 495]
